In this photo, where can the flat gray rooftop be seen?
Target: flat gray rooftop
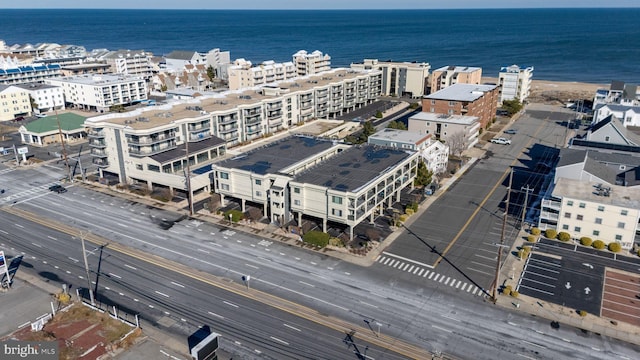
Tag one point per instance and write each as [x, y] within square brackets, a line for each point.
[353, 167]
[272, 158]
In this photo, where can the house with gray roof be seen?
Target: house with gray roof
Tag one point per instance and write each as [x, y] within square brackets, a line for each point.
[630, 115]
[177, 59]
[595, 166]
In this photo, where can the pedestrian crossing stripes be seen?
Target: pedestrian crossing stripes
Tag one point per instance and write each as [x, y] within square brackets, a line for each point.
[30, 193]
[427, 273]
[6, 171]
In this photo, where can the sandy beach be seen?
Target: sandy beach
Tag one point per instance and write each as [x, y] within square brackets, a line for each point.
[557, 92]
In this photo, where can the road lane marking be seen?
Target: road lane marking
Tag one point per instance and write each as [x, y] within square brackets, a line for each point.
[130, 267]
[230, 304]
[162, 294]
[421, 271]
[450, 318]
[114, 275]
[52, 238]
[176, 284]
[526, 357]
[204, 251]
[38, 245]
[304, 283]
[431, 275]
[216, 315]
[72, 259]
[4, 232]
[441, 328]
[367, 304]
[123, 225]
[18, 225]
[279, 340]
[291, 327]
[251, 266]
[406, 259]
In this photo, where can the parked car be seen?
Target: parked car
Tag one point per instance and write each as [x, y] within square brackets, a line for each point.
[41, 115]
[58, 188]
[501, 141]
[511, 131]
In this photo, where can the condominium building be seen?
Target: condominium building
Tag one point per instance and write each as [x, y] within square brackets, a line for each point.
[85, 68]
[515, 82]
[459, 132]
[449, 75]
[399, 78]
[313, 63]
[306, 177]
[99, 92]
[590, 209]
[14, 102]
[176, 60]
[243, 75]
[480, 101]
[34, 73]
[45, 97]
[434, 154]
[618, 93]
[131, 146]
[130, 62]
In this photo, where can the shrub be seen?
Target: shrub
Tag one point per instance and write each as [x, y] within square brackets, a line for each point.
[413, 206]
[403, 217]
[564, 236]
[379, 114]
[535, 231]
[531, 238]
[409, 212]
[598, 244]
[515, 294]
[582, 313]
[586, 241]
[507, 290]
[615, 247]
[236, 215]
[550, 233]
[639, 252]
[337, 242]
[317, 238]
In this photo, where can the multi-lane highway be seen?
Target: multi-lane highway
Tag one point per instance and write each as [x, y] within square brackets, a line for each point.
[398, 296]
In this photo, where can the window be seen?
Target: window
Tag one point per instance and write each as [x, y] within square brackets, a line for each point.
[296, 190]
[451, 111]
[624, 212]
[596, 232]
[577, 229]
[296, 202]
[582, 205]
[620, 225]
[569, 203]
[452, 103]
[565, 227]
[606, 139]
[579, 217]
[155, 168]
[433, 102]
[139, 167]
[259, 193]
[336, 200]
[224, 175]
[618, 237]
[336, 212]
[567, 215]
[224, 186]
[598, 220]
[258, 182]
[600, 208]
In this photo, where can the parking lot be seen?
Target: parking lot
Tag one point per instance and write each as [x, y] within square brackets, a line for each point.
[582, 278]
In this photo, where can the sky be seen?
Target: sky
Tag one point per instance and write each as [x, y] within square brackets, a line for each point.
[314, 4]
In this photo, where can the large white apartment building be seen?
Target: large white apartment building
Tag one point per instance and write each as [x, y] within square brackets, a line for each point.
[45, 97]
[243, 75]
[303, 176]
[434, 153]
[399, 78]
[14, 101]
[602, 212]
[450, 75]
[311, 63]
[131, 146]
[99, 92]
[34, 73]
[515, 82]
[130, 62]
[449, 128]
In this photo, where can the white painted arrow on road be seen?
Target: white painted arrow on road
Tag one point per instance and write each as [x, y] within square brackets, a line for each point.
[588, 265]
[567, 285]
[587, 290]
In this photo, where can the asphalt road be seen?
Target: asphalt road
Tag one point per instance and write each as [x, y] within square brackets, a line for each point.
[465, 224]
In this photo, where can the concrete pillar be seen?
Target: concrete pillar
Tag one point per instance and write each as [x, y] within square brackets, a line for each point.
[398, 195]
[350, 232]
[324, 224]
[243, 202]
[150, 185]
[264, 209]
[372, 216]
[222, 200]
[300, 219]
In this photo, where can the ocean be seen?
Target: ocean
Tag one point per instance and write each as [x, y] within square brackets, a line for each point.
[586, 45]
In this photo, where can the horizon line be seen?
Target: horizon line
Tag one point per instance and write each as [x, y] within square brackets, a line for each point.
[333, 9]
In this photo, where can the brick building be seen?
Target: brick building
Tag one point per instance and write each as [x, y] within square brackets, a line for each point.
[464, 99]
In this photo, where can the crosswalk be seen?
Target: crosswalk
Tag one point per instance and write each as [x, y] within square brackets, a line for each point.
[33, 192]
[426, 272]
[6, 171]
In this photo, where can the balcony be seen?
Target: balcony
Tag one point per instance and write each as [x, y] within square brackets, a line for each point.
[275, 123]
[200, 135]
[98, 152]
[153, 139]
[198, 127]
[253, 130]
[549, 216]
[224, 120]
[274, 115]
[228, 129]
[550, 204]
[95, 133]
[143, 151]
[100, 162]
[253, 120]
[274, 106]
[97, 142]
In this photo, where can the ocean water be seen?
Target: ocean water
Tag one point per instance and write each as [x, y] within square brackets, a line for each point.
[589, 45]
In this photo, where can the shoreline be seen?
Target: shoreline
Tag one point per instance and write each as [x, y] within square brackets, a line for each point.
[557, 92]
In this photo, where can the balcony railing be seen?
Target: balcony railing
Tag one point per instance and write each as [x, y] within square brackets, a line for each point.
[97, 142]
[96, 133]
[274, 106]
[228, 129]
[275, 123]
[227, 120]
[148, 151]
[100, 162]
[147, 140]
[253, 130]
[253, 120]
[200, 135]
[274, 115]
[98, 152]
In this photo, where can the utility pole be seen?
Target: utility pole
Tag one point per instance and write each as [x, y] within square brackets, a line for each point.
[86, 268]
[504, 228]
[188, 177]
[524, 208]
[64, 148]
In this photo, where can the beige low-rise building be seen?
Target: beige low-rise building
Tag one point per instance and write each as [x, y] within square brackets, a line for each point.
[450, 75]
[434, 153]
[399, 78]
[14, 102]
[459, 132]
[243, 75]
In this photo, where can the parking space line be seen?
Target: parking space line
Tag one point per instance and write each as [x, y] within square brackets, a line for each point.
[447, 282]
[537, 274]
[481, 264]
[396, 264]
[469, 288]
[545, 269]
[408, 260]
[539, 282]
[442, 278]
[545, 262]
[480, 271]
[534, 289]
[405, 267]
[486, 257]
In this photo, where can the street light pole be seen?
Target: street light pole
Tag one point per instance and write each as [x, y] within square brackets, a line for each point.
[86, 268]
[504, 226]
[526, 198]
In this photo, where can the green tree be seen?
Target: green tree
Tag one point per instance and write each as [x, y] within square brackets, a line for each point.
[163, 88]
[423, 176]
[399, 125]
[116, 108]
[367, 130]
[512, 106]
[379, 114]
[34, 105]
[211, 73]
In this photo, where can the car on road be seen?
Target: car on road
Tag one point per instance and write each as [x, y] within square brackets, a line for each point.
[41, 115]
[501, 141]
[511, 131]
[58, 188]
